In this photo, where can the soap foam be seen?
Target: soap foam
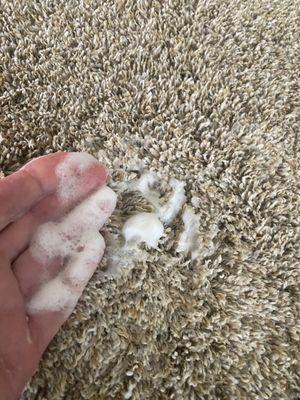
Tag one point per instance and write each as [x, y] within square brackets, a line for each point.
[69, 172]
[80, 267]
[145, 185]
[136, 164]
[169, 211]
[145, 182]
[62, 238]
[120, 258]
[148, 227]
[54, 295]
[76, 238]
[62, 292]
[143, 227]
[188, 240]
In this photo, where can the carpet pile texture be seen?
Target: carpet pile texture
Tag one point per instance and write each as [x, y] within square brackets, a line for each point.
[203, 91]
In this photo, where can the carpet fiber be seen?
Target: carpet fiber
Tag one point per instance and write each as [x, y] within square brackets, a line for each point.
[203, 91]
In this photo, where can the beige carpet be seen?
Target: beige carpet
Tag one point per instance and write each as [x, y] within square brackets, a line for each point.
[205, 91]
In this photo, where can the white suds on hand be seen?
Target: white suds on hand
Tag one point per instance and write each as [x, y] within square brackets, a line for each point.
[54, 295]
[69, 172]
[75, 238]
[62, 292]
[188, 240]
[63, 238]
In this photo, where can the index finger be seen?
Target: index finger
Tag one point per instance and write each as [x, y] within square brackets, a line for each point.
[54, 172]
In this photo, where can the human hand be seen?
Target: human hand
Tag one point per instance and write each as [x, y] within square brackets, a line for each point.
[29, 318]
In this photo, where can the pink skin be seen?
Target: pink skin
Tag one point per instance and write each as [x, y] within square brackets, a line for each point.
[27, 199]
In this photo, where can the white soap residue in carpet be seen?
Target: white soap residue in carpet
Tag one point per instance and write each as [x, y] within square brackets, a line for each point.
[120, 258]
[148, 227]
[143, 227]
[169, 211]
[188, 240]
[145, 185]
[135, 164]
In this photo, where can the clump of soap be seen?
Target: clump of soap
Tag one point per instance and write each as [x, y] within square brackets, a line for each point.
[143, 227]
[145, 185]
[188, 240]
[169, 211]
[148, 227]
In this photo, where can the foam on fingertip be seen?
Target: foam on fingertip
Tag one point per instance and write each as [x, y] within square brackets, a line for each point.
[54, 295]
[62, 238]
[77, 239]
[81, 266]
[63, 292]
[70, 171]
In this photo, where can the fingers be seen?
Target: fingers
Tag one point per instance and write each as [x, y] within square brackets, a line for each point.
[16, 237]
[31, 274]
[51, 271]
[56, 242]
[22, 190]
[60, 260]
[51, 305]
[15, 338]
